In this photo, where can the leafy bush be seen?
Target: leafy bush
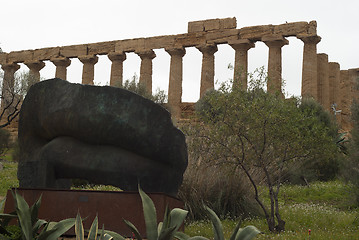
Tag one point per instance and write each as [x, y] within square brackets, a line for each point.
[320, 167]
[253, 131]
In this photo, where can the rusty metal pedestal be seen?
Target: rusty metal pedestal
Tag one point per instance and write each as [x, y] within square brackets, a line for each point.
[111, 207]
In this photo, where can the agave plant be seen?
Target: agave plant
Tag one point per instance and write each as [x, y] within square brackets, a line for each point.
[246, 233]
[94, 233]
[166, 230]
[4, 219]
[32, 227]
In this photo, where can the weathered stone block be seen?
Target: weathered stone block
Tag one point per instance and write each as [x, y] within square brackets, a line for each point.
[291, 29]
[105, 135]
[190, 39]
[257, 32]
[101, 48]
[196, 26]
[46, 53]
[312, 28]
[3, 57]
[222, 36]
[159, 42]
[73, 50]
[20, 56]
[271, 38]
[130, 45]
[212, 24]
[228, 23]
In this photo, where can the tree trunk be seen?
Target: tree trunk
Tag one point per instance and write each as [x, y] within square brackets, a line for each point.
[281, 226]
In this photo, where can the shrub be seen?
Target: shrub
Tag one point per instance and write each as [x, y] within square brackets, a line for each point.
[319, 167]
[223, 189]
[4, 141]
[255, 131]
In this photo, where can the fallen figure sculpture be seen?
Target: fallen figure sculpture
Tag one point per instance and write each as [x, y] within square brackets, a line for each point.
[105, 135]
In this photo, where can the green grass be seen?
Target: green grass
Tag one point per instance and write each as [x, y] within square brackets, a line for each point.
[8, 177]
[325, 208]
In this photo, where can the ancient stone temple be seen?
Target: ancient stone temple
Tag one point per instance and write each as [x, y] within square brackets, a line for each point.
[319, 77]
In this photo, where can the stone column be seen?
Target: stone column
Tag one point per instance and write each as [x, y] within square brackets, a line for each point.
[146, 68]
[241, 48]
[275, 44]
[88, 71]
[35, 68]
[345, 100]
[117, 59]
[334, 83]
[61, 64]
[8, 84]
[323, 80]
[353, 75]
[175, 81]
[309, 67]
[207, 73]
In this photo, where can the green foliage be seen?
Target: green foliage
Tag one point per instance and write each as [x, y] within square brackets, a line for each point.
[323, 166]
[13, 232]
[133, 85]
[8, 177]
[247, 233]
[332, 193]
[165, 230]
[261, 135]
[94, 233]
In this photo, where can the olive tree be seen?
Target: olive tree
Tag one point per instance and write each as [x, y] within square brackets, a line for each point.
[259, 134]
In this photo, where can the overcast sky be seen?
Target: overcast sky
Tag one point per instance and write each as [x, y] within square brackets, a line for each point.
[37, 24]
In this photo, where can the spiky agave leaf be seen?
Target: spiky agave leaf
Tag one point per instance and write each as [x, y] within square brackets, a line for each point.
[167, 234]
[93, 230]
[177, 216]
[114, 235]
[217, 225]
[235, 231]
[53, 230]
[133, 229]
[34, 209]
[103, 235]
[149, 212]
[247, 233]
[24, 216]
[79, 228]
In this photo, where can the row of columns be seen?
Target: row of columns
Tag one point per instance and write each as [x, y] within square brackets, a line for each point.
[312, 65]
